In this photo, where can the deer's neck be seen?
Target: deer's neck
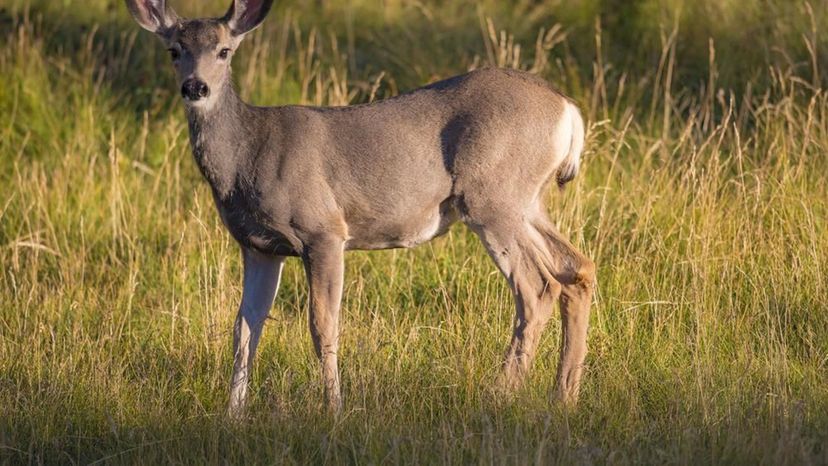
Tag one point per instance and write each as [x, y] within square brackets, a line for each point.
[222, 139]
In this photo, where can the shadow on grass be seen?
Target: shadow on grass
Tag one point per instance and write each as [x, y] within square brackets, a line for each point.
[67, 421]
[483, 437]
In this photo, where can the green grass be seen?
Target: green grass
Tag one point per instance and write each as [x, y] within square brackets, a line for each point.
[702, 199]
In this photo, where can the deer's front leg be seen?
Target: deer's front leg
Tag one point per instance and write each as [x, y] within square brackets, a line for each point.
[261, 280]
[324, 266]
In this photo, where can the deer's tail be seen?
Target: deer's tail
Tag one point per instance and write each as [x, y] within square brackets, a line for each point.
[569, 167]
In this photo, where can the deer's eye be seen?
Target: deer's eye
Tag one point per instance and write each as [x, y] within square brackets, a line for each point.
[174, 54]
[224, 53]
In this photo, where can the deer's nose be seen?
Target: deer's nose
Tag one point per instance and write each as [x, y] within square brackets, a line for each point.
[194, 89]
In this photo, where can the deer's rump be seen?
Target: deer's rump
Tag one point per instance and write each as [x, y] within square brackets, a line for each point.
[404, 169]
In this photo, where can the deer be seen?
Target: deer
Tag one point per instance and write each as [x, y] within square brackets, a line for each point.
[481, 148]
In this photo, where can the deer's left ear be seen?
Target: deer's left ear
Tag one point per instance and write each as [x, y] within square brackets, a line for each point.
[153, 15]
[245, 15]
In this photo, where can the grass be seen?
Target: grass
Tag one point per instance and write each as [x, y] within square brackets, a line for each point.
[702, 200]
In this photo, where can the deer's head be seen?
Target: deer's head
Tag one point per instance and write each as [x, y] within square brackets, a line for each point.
[200, 49]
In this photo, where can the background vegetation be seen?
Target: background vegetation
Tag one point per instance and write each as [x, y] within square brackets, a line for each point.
[702, 200]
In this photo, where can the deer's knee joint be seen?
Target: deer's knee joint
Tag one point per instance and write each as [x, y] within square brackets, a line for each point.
[551, 288]
[252, 312]
[585, 275]
[580, 278]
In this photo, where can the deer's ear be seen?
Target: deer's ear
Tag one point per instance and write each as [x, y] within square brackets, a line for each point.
[153, 15]
[245, 15]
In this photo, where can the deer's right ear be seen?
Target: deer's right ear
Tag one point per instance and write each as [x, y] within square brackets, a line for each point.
[246, 15]
[153, 15]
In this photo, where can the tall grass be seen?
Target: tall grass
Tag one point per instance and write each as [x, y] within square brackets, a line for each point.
[702, 200]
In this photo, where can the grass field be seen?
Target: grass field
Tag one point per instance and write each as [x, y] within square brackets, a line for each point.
[702, 199]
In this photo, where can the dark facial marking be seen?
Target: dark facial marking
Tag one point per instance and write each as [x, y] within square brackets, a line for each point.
[198, 35]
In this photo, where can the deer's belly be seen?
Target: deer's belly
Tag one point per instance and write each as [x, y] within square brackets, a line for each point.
[403, 232]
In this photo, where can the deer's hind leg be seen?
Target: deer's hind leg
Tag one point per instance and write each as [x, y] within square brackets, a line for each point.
[542, 266]
[519, 253]
[576, 274]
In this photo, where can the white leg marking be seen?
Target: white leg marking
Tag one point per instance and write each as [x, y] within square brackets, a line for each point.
[261, 280]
